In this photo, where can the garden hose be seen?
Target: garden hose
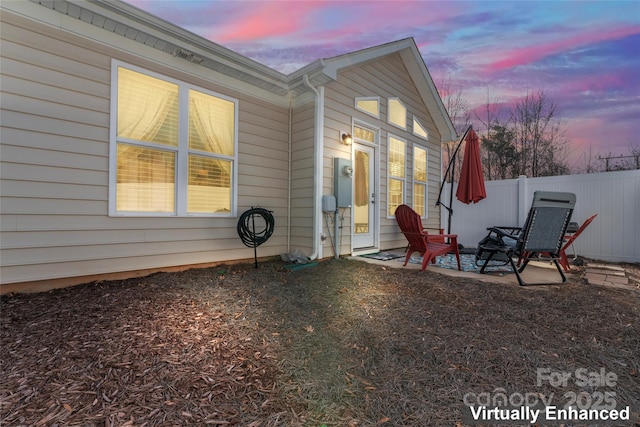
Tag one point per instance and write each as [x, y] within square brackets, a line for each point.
[247, 228]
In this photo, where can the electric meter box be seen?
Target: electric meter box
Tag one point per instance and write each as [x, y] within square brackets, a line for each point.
[342, 181]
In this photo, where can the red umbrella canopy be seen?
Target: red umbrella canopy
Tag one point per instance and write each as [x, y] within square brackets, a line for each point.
[471, 186]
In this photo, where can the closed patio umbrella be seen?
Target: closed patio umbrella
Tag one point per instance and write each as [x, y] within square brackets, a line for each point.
[471, 186]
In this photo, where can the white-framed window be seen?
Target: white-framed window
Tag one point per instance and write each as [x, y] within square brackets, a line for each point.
[420, 194]
[369, 105]
[397, 113]
[396, 178]
[364, 134]
[419, 130]
[173, 147]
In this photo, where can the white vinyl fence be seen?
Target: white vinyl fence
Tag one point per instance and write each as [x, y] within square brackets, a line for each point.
[615, 196]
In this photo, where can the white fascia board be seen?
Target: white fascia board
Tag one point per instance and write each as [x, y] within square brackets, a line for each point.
[365, 55]
[328, 68]
[133, 17]
[114, 40]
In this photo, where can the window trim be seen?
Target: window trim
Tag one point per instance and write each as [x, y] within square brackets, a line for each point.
[403, 180]
[425, 183]
[395, 98]
[367, 98]
[181, 151]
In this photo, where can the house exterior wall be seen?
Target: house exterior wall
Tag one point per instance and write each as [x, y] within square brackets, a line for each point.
[54, 155]
[386, 78]
[57, 64]
[302, 174]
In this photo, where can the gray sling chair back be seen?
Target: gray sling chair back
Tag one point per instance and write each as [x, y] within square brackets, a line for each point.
[541, 237]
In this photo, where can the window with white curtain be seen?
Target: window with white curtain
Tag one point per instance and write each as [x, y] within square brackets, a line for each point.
[420, 180]
[173, 147]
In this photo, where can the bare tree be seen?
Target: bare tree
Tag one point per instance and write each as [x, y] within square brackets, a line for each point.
[527, 139]
[621, 162]
[634, 151]
[493, 113]
[455, 104]
[458, 109]
[589, 163]
[501, 153]
[540, 139]
[632, 159]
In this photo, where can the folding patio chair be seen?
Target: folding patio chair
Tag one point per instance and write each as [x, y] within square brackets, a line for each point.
[541, 237]
[419, 239]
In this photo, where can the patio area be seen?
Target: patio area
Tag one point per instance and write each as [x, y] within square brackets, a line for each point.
[622, 276]
[342, 343]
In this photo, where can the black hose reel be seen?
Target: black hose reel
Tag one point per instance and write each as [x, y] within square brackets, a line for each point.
[251, 237]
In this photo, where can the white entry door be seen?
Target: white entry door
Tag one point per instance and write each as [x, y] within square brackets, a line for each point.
[364, 197]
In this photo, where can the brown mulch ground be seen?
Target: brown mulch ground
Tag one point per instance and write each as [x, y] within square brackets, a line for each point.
[343, 343]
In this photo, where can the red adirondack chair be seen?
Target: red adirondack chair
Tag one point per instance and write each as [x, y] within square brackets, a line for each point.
[429, 247]
[564, 261]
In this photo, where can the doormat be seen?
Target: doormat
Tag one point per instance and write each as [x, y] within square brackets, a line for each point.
[467, 263]
[383, 256]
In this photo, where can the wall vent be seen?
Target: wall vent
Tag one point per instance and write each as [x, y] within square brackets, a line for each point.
[189, 56]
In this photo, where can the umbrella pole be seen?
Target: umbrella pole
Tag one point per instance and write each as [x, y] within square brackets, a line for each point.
[452, 161]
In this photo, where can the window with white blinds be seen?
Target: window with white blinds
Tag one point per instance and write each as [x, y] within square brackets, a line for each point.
[420, 180]
[173, 147]
[396, 156]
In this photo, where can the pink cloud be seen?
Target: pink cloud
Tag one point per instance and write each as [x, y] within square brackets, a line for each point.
[268, 19]
[590, 137]
[523, 56]
[322, 21]
[597, 83]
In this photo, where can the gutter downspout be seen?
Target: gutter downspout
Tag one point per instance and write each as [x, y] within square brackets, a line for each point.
[290, 148]
[318, 153]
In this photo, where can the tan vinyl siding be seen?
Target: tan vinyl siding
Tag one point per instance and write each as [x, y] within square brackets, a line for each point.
[302, 176]
[54, 167]
[337, 119]
[386, 77]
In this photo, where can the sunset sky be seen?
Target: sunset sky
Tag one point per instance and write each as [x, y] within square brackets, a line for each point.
[585, 55]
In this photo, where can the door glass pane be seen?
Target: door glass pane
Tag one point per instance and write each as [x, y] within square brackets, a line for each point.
[361, 192]
[364, 134]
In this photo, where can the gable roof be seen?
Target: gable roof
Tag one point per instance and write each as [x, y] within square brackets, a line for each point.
[138, 26]
[323, 71]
